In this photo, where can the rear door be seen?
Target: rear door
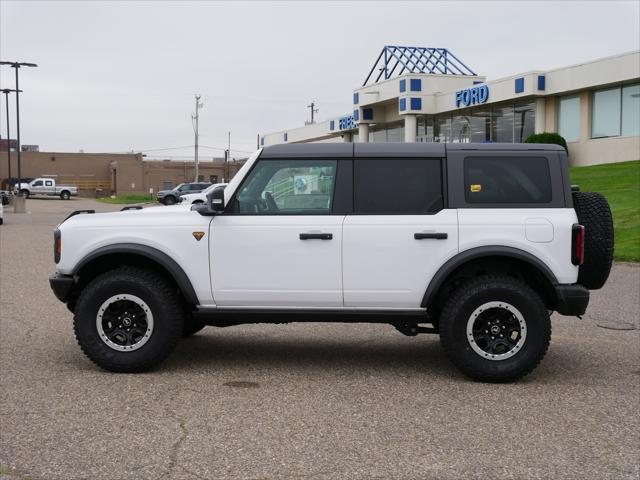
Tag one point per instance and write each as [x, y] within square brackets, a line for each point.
[401, 231]
[279, 242]
[49, 187]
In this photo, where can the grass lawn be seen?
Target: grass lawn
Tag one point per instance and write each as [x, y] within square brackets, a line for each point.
[620, 183]
[127, 199]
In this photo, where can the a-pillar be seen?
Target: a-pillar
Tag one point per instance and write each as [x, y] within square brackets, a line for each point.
[363, 132]
[410, 128]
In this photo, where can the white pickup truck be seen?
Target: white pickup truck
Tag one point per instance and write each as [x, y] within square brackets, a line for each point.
[46, 186]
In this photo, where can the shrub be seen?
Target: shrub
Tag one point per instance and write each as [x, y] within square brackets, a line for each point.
[547, 137]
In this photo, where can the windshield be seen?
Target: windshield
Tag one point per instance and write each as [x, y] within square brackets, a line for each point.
[181, 187]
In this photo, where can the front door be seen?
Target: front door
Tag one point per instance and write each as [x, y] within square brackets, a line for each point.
[278, 244]
[399, 234]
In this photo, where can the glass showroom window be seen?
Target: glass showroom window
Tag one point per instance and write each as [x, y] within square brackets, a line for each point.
[502, 124]
[606, 113]
[569, 118]
[631, 110]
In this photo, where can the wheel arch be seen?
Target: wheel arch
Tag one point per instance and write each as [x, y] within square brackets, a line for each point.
[493, 258]
[111, 256]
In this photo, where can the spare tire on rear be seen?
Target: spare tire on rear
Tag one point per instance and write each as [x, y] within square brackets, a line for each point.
[594, 214]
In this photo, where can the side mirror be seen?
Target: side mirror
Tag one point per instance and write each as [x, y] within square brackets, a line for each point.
[215, 199]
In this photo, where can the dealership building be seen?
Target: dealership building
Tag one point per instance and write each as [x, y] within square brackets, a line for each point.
[414, 94]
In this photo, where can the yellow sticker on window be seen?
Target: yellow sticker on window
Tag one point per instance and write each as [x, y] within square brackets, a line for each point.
[475, 187]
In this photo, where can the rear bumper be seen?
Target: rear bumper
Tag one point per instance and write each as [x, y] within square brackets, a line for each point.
[571, 299]
[61, 285]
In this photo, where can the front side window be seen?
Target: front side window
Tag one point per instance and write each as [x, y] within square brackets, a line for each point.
[507, 180]
[37, 183]
[286, 187]
[569, 118]
[398, 186]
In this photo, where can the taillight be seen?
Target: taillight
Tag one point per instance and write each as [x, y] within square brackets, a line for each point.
[57, 245]
[577, 244]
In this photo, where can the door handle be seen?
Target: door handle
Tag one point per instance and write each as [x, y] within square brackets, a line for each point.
[426, 236]
[316, 236]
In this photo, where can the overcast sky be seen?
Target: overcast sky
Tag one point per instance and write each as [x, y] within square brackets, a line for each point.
[119, 76]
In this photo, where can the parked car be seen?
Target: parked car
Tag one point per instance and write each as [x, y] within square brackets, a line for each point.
[478, 243]
[200, 198]
[46, 186]
[170, 197]
[5, 197]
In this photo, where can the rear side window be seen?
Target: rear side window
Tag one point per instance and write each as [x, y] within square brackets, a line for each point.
[398, 186]
[507, 180]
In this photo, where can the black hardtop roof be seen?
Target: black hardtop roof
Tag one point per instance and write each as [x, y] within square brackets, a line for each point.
[385, 149]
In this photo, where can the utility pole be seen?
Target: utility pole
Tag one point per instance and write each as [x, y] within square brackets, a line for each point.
[314, 110]
[195, 130]
[19, 206]
[228, 154]
[6, 92]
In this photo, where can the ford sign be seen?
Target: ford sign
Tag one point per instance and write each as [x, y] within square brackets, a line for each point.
[347, 123]
[472, 96]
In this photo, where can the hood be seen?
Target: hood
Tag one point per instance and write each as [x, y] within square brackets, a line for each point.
[157, 215]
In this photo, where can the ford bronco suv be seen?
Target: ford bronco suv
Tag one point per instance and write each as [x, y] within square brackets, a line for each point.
[478, 243]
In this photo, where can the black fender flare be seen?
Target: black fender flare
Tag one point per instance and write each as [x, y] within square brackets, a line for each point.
[161, 258]
[474, 253]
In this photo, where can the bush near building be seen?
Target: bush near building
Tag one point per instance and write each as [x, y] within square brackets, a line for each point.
[620, 183]
[547, 137]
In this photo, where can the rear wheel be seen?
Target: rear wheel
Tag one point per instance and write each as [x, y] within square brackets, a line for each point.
[495, 329]
[65, 195]
[128, 320]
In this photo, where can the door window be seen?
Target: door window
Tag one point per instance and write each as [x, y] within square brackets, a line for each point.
[38, 183]
[287, 187]
[400, 186]
[48, 183]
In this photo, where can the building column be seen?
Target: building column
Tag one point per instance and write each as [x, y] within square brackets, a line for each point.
[347, 137]
[363, 132]
[410, 128]
[541, 115]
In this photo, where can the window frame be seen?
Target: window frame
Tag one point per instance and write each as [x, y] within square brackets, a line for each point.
[443, 184]
[618, 88]
[229, 207]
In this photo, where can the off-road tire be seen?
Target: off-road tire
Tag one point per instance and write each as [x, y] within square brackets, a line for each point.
[594, 214]
[474, 293]
[170, 200]
[65, 195]
[163, 303]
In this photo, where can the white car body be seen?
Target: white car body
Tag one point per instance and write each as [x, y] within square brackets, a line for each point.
[264, 265]
[200, 197]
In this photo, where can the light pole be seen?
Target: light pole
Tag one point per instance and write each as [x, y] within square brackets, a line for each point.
[17, 66]
[6, 92]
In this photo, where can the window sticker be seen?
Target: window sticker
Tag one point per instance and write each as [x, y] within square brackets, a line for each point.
[476, 187]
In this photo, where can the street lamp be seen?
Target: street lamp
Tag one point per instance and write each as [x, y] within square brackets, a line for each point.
[6, 92]
[17, 66]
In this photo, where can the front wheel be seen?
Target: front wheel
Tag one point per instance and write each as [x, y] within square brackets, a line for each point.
[128, 320]
[24, 193]
[169, 200]
[495, 329]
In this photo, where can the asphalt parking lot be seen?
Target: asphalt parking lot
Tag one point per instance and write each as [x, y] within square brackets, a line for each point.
[319, 401]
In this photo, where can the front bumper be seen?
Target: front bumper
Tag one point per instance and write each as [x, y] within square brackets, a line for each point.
[571, 299]
[61, 285]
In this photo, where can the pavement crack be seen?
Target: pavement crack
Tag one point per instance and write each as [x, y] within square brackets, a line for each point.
[177, 445]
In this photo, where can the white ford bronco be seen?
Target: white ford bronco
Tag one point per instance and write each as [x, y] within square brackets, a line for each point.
[478, 243]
